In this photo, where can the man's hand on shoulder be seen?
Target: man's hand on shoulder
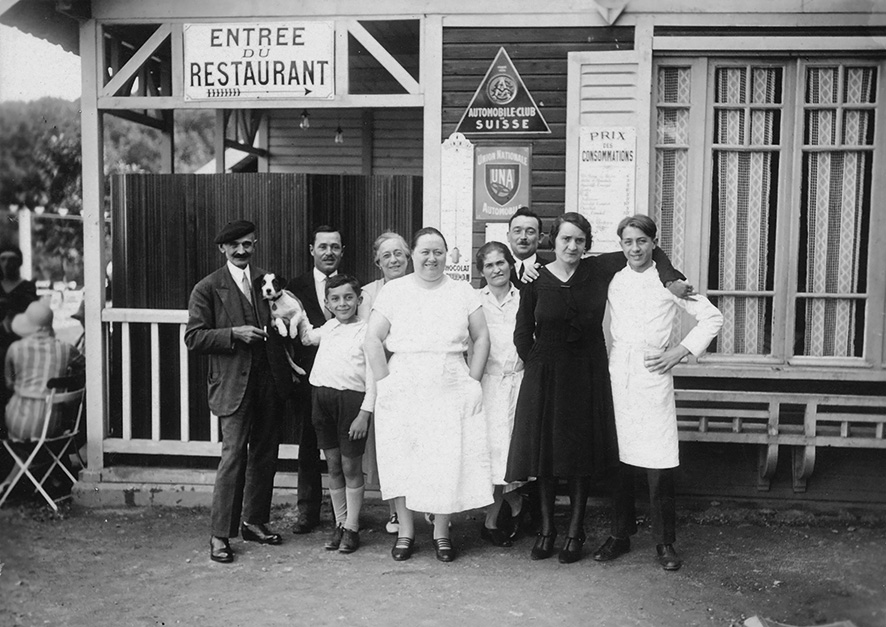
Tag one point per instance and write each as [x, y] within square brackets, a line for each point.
[682, 289]
[530, 273]
[249, 334]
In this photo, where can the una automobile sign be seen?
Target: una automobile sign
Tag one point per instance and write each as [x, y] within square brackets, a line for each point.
[502, 181]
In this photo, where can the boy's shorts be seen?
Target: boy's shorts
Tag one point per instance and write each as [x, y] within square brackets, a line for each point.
[332, 413]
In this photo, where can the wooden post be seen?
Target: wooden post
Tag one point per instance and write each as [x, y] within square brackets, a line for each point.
[93, 243]
[431, 73]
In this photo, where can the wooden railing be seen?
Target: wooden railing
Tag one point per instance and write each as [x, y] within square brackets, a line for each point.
[123, 322]
[768, 419]
[772, 420]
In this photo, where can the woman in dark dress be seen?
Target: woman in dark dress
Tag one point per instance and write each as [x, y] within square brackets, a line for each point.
[564, 425]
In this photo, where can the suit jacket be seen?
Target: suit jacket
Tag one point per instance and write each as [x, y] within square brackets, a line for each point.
[303, 288]
[544, 257]
[215, 307]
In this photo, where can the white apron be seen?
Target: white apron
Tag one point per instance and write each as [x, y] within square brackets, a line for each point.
[642, 318]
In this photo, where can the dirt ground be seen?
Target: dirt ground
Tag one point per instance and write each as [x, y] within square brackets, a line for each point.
[150, 566]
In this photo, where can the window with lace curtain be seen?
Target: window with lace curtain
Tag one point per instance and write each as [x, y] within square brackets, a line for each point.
[779, 155]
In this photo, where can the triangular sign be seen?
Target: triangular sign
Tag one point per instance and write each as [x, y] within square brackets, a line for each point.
[502, 105]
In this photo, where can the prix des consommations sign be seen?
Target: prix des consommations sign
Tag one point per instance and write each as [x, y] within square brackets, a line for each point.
[266, 60]
[502, 105]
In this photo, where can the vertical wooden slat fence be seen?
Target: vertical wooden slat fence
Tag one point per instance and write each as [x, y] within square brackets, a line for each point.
[163, 231]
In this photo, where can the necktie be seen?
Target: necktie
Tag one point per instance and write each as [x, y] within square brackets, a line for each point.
[326, 313]
[520, 271]
[245, 288]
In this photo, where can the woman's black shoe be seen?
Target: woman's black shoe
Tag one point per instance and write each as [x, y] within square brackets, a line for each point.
[443, 547]
[571, 551]
[496, 537]
[544, 546]
[402, 549]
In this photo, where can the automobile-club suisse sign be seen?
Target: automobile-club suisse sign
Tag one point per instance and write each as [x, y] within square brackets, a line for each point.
[502, 105]
[264, 60]
[501, 180]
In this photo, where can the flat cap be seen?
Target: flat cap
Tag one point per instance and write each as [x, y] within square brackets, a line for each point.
[234, 230]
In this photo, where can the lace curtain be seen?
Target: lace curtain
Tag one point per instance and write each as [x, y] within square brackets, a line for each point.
[837, 205]
[744, 186]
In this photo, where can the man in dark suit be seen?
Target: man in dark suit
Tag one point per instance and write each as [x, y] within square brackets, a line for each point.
[249, 379]
[326, 250]
[524, 233]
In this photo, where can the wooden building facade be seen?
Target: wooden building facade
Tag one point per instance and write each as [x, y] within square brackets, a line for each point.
[757, 141]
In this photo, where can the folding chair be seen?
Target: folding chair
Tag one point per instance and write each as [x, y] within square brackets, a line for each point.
[60, 398]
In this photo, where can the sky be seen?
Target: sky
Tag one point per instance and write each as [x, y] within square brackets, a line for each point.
[31, 68]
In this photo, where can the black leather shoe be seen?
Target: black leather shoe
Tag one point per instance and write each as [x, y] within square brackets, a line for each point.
[334, 541]
[220, 550]
[544, 546]
[571, 551]
[517, 522]
[444, 550]
[667, 557]
[304, 526]
[260, 534]
[612, 548]
[496, 537]
[350, 541]
[402, 549]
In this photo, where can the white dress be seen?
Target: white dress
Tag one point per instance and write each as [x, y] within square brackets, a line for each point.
[642, 317]
[501, 378]
[429, 425]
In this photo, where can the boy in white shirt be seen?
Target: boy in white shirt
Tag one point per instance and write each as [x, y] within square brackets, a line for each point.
[342, 404]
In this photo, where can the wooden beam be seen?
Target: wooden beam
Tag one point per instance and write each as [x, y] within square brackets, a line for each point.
[346, 101]
[384, 57]
[221, 122]
[431, 54]
[258, 152]
[93, 240]
[687, 43]
[137, 61]
[139, 118]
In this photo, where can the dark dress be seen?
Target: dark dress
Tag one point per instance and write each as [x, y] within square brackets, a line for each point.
[565, 425]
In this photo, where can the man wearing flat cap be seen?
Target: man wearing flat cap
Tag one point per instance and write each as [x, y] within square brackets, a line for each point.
[249, 380]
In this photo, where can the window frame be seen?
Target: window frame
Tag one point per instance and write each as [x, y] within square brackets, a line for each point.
[780, 362]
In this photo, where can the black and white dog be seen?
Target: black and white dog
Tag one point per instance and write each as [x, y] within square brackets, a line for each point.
[286, 309]
[286, 312]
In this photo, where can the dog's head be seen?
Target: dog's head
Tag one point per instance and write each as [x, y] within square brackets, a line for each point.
[271, 286]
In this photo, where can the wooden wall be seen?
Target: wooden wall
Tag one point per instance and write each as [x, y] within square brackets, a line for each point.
[540, 57]
[163, 226]
[376, 141]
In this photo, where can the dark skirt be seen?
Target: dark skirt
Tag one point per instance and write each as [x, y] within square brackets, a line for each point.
[565, 424]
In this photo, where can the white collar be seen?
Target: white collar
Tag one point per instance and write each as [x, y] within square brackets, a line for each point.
[319, 277]
[237, 273]
[530, 260]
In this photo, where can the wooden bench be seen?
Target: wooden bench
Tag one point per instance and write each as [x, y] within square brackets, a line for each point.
[771, 419]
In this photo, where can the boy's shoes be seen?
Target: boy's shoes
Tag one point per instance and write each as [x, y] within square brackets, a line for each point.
[667, 557]
[220, 550]
[612, 548]
[334, 541]
[259, 533]
[350, 541]
[393, 524]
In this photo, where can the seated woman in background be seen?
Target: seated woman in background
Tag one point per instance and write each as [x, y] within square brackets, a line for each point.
[30, 363]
